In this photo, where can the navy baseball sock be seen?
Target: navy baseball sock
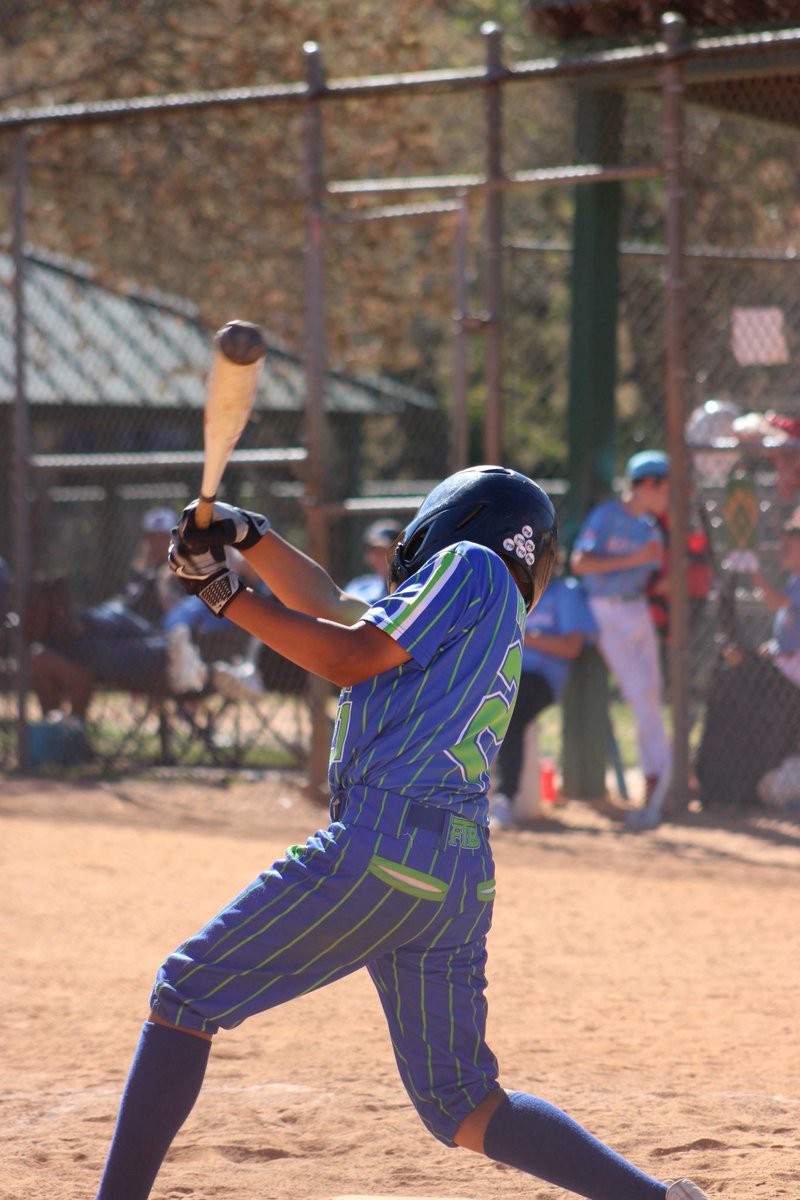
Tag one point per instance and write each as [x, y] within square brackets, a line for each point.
[536, 1137]
[164, 1082]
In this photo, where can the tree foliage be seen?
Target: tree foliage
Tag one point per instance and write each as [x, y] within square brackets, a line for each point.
[209, 205]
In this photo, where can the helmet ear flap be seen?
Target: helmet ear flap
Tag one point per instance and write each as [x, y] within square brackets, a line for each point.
[522, 577]
[397, 572]
[546, 566]
[413, 546]
[404, 554]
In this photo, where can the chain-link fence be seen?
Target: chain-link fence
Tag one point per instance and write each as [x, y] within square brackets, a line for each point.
[742, 346]
[443, 277]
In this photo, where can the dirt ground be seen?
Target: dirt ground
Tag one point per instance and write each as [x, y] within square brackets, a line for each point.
[648, 983]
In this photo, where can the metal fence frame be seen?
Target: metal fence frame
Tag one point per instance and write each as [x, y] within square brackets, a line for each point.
[673, 57]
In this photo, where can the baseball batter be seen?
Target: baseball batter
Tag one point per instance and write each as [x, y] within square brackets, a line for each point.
[401, 881]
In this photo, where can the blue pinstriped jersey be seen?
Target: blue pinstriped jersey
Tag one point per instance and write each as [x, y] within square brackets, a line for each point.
[429, 729]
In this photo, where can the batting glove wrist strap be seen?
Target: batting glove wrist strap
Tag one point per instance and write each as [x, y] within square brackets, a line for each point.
[251, 528]
[229, 527]
[220, 590]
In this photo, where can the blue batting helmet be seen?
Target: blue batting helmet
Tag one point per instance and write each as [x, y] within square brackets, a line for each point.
[495, 507]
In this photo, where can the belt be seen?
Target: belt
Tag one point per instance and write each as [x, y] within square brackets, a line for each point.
[419, 816]
[426, 816]
[460, 831]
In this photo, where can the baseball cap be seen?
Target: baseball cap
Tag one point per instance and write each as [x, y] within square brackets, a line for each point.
[159, 520]
[382, 533]
[647, 464]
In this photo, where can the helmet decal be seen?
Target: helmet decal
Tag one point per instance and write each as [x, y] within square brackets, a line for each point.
[522, 545]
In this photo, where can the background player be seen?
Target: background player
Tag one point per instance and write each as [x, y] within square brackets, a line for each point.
[615, 554]
[402, 880]
[555, 633]
[753, 704]
[379, 538]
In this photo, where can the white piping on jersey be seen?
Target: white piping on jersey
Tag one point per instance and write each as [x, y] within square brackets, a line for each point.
[427, 594]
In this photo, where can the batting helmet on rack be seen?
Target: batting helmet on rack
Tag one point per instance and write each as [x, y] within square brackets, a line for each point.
[493, 506]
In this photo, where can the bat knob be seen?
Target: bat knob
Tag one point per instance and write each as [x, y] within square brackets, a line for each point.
[241, 342]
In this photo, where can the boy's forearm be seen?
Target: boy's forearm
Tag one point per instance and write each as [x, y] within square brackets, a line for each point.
[557, 645]
[586, 563]
[342, 654]
[301, 583]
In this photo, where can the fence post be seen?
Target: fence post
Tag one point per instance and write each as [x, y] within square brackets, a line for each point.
[674, 30]
[22, 444]
[459, 428]
[316, 496]
[591, 412]
[493, 261]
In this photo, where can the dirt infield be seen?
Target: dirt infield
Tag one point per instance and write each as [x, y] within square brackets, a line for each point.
[647, 983]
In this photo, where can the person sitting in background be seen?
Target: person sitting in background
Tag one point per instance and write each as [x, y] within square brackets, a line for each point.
[555, 633]
[615, 554]
[785, 603]
[150, 591]
[379, 539]
[235, 660]
[75, 649]
[752, 721]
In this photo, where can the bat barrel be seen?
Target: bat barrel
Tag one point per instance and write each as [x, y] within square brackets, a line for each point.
[239, 350]
[241, 342]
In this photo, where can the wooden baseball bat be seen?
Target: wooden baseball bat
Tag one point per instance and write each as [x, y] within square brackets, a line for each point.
[239, 350]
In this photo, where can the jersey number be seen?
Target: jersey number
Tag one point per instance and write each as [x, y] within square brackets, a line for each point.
[487, 727]
[340, 731]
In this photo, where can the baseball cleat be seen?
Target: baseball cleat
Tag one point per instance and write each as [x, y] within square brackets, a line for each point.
[684, 1189]
[657, 797]
[501, 812]
[642, 818]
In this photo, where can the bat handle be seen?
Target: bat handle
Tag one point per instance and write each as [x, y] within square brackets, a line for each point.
[204, 512]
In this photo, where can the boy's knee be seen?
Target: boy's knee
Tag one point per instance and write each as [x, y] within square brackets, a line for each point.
[470, 1133]
[448, 1123]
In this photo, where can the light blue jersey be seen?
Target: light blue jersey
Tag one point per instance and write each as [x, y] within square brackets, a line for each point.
[611, 531]
[562, 609]
[786, 627]
[428, 730]
[370, 588]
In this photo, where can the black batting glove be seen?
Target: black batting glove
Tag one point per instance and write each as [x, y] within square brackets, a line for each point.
[205, 574]
[229, 527]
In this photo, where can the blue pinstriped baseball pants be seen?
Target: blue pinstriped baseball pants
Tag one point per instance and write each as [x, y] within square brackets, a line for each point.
[413, 906]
